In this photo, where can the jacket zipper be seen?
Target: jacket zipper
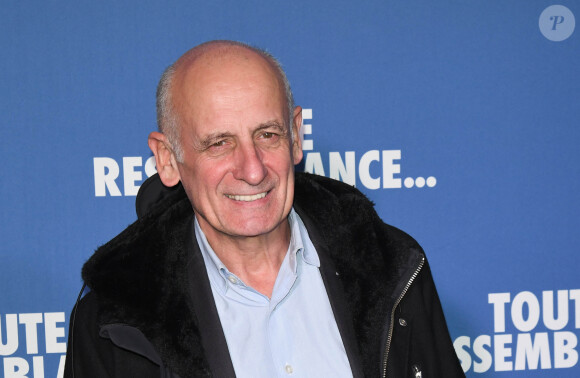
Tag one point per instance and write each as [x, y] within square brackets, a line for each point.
[391, 325]
[417, 371]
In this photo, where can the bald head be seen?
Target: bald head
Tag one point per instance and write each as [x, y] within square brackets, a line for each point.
[211, 58]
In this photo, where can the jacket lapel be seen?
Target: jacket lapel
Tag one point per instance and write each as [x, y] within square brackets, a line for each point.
[335, 291]
[212, 336]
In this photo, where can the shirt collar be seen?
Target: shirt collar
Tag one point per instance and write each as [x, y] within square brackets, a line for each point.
[221, 277]
[298, 234]
[213, 264]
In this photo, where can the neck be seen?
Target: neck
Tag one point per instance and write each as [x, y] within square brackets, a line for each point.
[256, 260]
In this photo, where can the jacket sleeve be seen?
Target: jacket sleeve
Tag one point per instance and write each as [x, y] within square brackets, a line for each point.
[421, 340]
[90, 355]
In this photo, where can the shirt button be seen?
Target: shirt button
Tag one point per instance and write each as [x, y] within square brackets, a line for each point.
[288, 369]
[232, 279]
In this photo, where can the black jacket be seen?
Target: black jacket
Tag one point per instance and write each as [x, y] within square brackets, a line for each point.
[150, 310]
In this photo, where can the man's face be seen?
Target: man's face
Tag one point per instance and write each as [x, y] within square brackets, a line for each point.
[238, 166]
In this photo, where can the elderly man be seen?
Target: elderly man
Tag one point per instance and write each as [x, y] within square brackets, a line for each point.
[246, 269]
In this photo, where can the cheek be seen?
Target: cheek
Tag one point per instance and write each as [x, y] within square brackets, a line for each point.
[206, 178]
[279, 159]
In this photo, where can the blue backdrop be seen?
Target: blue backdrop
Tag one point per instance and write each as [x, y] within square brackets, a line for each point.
[458, 119]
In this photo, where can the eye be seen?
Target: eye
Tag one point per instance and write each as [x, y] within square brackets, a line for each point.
[269, 138]
[268, 135]
[218, 146]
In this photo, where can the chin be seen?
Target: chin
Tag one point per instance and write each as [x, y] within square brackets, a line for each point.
[253, 229]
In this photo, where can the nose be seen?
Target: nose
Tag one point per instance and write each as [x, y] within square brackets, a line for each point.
[249, 165]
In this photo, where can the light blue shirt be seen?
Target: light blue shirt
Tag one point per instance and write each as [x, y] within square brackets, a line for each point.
[293, 334]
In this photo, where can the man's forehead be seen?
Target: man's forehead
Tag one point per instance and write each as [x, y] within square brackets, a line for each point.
[222, 70]
[213, 79]
[219, 97]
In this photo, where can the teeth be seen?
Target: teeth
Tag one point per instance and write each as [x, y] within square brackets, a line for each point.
[247, 198]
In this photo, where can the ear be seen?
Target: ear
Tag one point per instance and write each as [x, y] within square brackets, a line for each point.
[164, 159]
[297, 142]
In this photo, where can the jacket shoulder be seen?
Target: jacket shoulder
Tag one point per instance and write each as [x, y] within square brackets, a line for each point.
[340, 202]
[123, 256]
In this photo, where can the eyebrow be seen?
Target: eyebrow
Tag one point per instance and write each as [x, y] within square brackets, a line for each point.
[211, 139]
[272, 124]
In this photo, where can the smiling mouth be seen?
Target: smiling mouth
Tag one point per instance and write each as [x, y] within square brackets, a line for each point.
[253, 197]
